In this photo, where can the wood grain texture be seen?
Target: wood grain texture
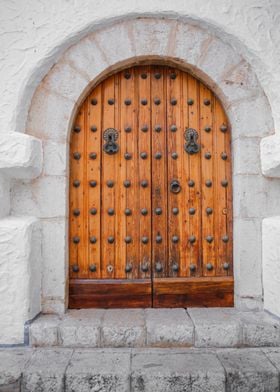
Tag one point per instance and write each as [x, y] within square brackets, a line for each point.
[117, 293]
[144, 104]
[193, 292]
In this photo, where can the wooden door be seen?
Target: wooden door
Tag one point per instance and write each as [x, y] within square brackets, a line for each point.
[150, 194]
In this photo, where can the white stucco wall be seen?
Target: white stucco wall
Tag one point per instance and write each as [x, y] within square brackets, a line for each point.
[33, 36]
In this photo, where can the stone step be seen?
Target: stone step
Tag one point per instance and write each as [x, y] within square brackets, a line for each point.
[140, 370]
[211, 327]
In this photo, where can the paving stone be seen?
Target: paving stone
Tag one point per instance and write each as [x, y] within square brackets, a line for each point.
[46, 370]
[249, 370]
[273, 354]
[216, 327]
[97, 370]
[123, 328]
[81, 328]
[12, 364]
[176, 372]
[260, 329]
[169, 327]
[44, 332]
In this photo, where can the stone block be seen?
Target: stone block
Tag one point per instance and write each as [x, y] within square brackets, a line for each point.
[238, 82]
[250, 118]
[81, 328]
[260, 329]
[12, 364]
[45, 197]
[246, 155]
[152, 36]
[249, 197]
[98, 371]
[271, 264]
[66, 81]
[20, 155]
[55, 158]
[20, 276]
[5, 188]
[44, 331]
[174, 372]
[247, 258]
[123, 328]
[217, 59]
[55, 269]
[188, 43]
[270, 156]
[216, 327]
[80, 56]
[50, 116]
[248, 370]
[273, 354]
[46, 370]
[169, 327]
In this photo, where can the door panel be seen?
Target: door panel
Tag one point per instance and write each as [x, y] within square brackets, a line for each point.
[150, 194]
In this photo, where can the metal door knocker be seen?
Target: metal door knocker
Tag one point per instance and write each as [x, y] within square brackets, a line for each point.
[110, 136]
[191, 136]
[175, 186]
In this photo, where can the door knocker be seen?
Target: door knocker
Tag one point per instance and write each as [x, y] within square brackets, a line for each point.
[110, 136]
[191, 136]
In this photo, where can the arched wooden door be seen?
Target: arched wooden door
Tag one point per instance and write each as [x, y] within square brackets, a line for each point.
[150, 194]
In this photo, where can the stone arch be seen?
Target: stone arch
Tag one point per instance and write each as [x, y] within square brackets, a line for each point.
[112, 48]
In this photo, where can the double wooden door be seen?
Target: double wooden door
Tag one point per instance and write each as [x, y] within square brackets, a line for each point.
[150, 194]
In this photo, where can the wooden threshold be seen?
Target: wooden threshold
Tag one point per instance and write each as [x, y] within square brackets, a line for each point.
[117, 293]
[193, 292]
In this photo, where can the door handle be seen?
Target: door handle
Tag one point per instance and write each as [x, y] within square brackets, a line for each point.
[175, 186]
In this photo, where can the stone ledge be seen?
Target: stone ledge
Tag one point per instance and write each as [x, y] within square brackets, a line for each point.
[20, 275]
[270, 156]
[135, 370]
[212, 327]
[20, 155]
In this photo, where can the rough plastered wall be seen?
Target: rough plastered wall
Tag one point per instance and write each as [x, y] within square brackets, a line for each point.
[34, 34]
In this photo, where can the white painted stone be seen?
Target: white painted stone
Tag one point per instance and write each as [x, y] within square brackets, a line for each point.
[55, 162]
[216, 327]
[217, 59]
[250, 117]
[20, 276]
[20, 155]
[5, 200]
[44, 198]
[239, 82]
[246, 156]
[271, 264]
[50, 116]
[55, 268]
[169, 327]
[247, 258]
[152, 37]
[270, 156]
[66, 81]
[123, 328]
[189, 43]
[82, 58]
